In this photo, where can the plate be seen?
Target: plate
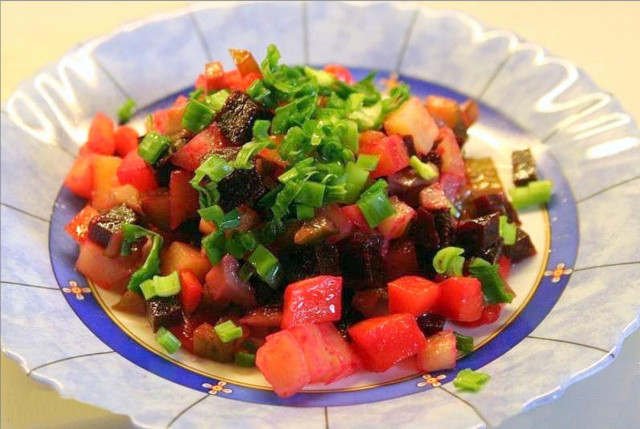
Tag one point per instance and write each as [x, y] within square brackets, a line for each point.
[582, 138]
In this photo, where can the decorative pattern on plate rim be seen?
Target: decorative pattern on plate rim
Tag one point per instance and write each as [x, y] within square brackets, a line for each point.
[431, 380]
[214, 389]
[76, 290]
[558, 272]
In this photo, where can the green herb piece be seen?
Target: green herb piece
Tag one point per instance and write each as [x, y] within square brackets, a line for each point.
[375, 206]
[355, 177]
[508, 231]
[304, 212]
[464, 343]
[536, 192]
[230, 220]
[197, 116]
[151, 265]
[148, 288]
[153, 146]
[448, 261]
[311, 194]
[215, 169]
[266, 265]
[216, 100]
[426, 170]
[213, 245]
[467, 379]
[323, 78]
[167, 285]
[228, 331]
[368, 162]
[284, 198]
[167, 340]
[212, 213]
[126, 110]
[245, 359]
[294, 113]
[493, 287]
[397, 96]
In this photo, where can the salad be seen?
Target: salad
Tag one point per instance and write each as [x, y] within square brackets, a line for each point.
[290, 214]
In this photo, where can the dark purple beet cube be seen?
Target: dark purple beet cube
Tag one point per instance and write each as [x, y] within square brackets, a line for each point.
[301, 262]
[237, 116]
[424, 231]
[361, 261]
[102, 227]
[524, 167]
[430, 323]
[445, 226]
[477, 235]
[240, 187]
[406, 184]
[494, 202]
[523, 247]
[165, 312]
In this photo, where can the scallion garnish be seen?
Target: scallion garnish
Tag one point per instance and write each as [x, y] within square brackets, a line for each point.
[311, 194]
[213, 245]
[245, 359]
[125, 112]
[508, 231]
[464, 343]
[375, 204]
[368, 162]
[493, 287]
[448, 261]
[151, 266]
[212, 213]
[197, 116]
[167, 340]
[148, 289]
[426, 170]
[467, 379]
[167, 285]
[355, 177]
[536, 192]
[216, 100]
[304, 212]
[153, 146]
[266, 265]
[228, 331]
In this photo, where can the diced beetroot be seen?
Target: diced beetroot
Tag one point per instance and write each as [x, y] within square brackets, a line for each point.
[406, 184]
[282, 363]
[412, 294]
[413, 119]
[340, 220]
[322, 365]
[190, 291]
[104, 178]
[80, 176]
[156, 206]
[490, 313]
[183, 197]
[101, 135]
[372, 302]
[339, 347]
[392, 152]
[79, 225]
[384, 341]
[356, 218]
[264, 317]
[401, 259]
[135, 171]
[126, 140]
[180, 257]
[438, 353]
[313, 300]
[433, 198]
[395, 226]
[460, 299]
[108, 273]
[191, 155]
[222, 284]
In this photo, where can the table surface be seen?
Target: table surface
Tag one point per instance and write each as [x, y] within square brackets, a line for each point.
[600, 37]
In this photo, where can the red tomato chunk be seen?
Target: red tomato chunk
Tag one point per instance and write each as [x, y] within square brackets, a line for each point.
[412, 294]
[313, 300]
[460, 299]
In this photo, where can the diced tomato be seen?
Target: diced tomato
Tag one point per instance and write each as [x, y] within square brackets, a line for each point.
[433, 198]
[384, 341]
[444, 108]
[126, 140]
[183, 257]
[206, 227]
[401, 259]
[322, 365]
[264, 317]
[340, 72]
[313, 300]
[371, 302]
[505, 267]
[273, 155]
[286, 379]
[341, 222]
[191, 155]
[339, 347]
[452, 171]
[392, 152]
[413, 119]
[412, 294]
[356, 218]
[79, 225]
[395, 226]
[127, 195]
[222, 284]
[135, 171]
[213, 76]
[438, 353]
[370, 137]
[190, 291]
[104, 178]
[184, 198]
[156, 206]
[169, 121]
[79, 179]
[460, 299]
[490, 313]
[101, 135]
[108, 273]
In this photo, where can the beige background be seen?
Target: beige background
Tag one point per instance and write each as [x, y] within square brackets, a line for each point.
[601, 37]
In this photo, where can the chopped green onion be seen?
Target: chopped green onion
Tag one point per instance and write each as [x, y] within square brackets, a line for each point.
[304, 212]
[151, 265]
[167, 340]
[215, 168]
[426, 170]
[216, 100]
[536, 192]
[493, 287]
[230, 220]
[448, 261]
[311, 193]
[211, 214]
[148, 288]
[464, 343]
[152, 146]
[228, 331]
[323, 78]
[246, 271]
[355, 178]
[266, 265]
[285, 197]
[125, 112]
[213, 245]
[375, 207]
[508, 231]
[368, 162]
[167, 285]
[250, 346]
[260, 141]
[245, 359]
[197, 93]
[269, 199]
[197, 116]
[468, 379]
